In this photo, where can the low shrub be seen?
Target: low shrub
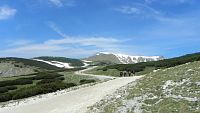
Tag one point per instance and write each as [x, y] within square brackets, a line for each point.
[45, 81]
[35, 90]
[71, 85]
[40, 89]
[20, 81]
[11, 87]
[86, 81]
[3, 89]
[60, 78]
[5, 97]
[40, 76]
[7, 88]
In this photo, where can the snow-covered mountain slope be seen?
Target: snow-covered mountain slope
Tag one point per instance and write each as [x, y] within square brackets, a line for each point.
[71, 61]
[126, 59]
[121, 58]
[62, 62]
[56, 63]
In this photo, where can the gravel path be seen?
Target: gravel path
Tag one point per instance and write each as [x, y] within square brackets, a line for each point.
[76, 101]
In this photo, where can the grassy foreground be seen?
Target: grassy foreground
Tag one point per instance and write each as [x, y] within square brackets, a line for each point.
[172, 90]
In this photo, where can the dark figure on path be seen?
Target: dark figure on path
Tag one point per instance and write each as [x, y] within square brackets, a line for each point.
[121, 74]
[129, 73]
[124, 73]
[133, 72]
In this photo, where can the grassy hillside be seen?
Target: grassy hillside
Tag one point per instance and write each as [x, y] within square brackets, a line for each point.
[156, 64]
[105, 58]
[171, 90]
[29, 62]
[73, 62]
[98, 71]
[8, 69]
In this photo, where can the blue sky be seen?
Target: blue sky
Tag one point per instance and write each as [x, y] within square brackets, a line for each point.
[79, 28]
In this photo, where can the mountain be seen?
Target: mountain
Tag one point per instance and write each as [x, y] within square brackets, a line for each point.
[121, 58]
[11, 66]
[28, 62]
[166, 63]
[61, 62]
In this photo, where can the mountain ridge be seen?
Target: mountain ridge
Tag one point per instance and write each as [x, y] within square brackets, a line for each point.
[121, 58]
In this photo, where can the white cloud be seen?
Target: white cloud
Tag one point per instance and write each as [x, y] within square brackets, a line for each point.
[128, 10]
[86, 41]
[61, 3]
[184, 1]
[144, 11]
[6, 12]
[187, 1]
[57, 3]
[70, 47]
[54, 27]
[149, 1]
[169, 1]
[139, 10]
[101, 42]
[18, 42]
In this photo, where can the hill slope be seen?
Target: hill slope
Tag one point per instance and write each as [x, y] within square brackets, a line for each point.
[171, 90]
[19, 66]
[121, 58]
[61, 62]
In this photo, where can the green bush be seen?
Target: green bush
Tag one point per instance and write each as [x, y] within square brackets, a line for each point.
[5, 97]
[70, 85]
[60, 78]
[20, 81]
[35, 90]
[7, 88]
[86, 81]
[44, 75]
[11, 87]
[45, 81]
[40, 89]
[3, 89]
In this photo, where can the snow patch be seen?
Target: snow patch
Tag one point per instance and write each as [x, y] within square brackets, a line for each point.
[87, 61]
[103, 53]
[125, 59]
[56, 63]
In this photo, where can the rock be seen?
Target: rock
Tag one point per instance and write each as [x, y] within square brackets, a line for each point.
[118, 96]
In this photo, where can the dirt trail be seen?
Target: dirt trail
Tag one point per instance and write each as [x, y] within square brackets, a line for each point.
[75, 101]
